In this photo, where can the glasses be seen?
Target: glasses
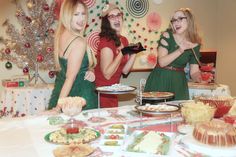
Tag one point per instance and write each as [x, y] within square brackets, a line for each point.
[179, 19]
[112, 17]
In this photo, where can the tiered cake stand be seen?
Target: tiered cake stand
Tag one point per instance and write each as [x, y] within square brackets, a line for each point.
[154, 96]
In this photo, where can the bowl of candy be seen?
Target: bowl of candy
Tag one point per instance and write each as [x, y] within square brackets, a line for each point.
[196, 112]
[222, 103]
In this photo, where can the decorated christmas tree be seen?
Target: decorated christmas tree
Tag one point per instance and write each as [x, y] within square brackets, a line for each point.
[30, 47]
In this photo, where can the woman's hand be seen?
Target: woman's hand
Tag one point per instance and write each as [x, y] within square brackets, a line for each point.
[90, 76]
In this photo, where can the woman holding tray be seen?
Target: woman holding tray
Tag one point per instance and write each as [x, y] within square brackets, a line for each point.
[114, 57]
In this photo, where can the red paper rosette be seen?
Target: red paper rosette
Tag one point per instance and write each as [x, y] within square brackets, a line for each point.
[154, 21]
[152, 59]
[93, 40]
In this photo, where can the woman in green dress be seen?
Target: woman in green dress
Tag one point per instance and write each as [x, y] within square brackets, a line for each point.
[176, 48]
[75, 76]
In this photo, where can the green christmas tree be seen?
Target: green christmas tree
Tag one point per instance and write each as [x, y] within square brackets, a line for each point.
[30, 47]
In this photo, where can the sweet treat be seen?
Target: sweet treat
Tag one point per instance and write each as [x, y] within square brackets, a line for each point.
[194, 112]
[80, 150]
[222, 103]
[158, 108]
[157, 94]
[116, 88]
[84, 135]
[215, 133]
[150, 142]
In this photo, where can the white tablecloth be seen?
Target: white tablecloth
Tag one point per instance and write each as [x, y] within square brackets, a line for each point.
[29, 100]
[24, 137]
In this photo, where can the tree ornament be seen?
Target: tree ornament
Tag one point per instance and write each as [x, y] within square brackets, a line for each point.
[28, 19]
[8, 65]
[29, 5]
[40, 58]
[26, 70]
[7, 51]
[45, 7]
[27, 45]
[51, 74]
[51, 31]
[49, 49]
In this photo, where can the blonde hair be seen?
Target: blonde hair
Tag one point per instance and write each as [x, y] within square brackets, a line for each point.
[192, 30]
[66, 14]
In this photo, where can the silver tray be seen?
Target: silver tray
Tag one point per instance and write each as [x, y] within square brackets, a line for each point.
[155, 98]
[116, 92]
[159, 112]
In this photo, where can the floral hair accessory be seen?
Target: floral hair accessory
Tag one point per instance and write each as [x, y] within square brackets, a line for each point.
[108, 8]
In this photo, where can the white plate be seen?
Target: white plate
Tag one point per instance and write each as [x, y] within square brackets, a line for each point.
[185, 128]
[207, 149]
[131, 139]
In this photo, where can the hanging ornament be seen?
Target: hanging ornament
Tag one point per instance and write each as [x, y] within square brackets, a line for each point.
[26, 70]
[45, 7]
[7, 51]
[93, 40]
[8, 65]
[28, 19]
[157, 1]
[27, 45]
[51, 74]
[51, 31]
[29, 5]
[89, 3]
[49, 49]
[151, 59]
[154, 21]
[137, 8]
[40, 58]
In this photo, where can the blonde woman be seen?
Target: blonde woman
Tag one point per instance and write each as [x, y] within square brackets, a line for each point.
[176, 48]
[73, 61]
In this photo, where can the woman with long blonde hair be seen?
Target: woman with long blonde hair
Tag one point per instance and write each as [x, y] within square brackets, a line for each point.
[73, 62]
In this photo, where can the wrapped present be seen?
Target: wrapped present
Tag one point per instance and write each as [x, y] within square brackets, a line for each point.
[10, 83]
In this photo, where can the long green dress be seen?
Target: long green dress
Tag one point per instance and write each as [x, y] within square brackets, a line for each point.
[164, 80]
[81, 87]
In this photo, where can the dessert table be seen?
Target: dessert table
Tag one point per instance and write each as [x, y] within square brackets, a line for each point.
[24, 136]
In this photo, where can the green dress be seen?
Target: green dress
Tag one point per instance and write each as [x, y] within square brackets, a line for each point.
[81, 87]
[164, 80]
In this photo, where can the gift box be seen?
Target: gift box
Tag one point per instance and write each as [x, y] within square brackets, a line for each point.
[10, 83]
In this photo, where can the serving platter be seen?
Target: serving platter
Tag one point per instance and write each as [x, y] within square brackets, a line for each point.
[215, 151]
[85, 135]
[162, 108]
[156, 95]
[116, 89]
[157, 143]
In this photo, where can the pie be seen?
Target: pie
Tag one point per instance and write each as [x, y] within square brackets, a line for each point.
[157, 94]
[80, 150]
[158, 108]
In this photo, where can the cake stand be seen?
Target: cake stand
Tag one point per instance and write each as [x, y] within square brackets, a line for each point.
[142, 96]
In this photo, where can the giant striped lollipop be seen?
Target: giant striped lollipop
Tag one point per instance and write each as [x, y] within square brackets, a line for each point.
[137, 8]
[93, 40]
[89, 3]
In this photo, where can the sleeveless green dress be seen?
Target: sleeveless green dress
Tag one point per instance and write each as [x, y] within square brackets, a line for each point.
[81, 87]
[165, 80]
